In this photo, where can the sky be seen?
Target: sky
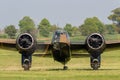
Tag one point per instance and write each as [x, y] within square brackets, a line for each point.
[59, 12]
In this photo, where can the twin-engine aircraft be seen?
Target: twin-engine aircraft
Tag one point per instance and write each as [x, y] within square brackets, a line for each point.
[61, 47]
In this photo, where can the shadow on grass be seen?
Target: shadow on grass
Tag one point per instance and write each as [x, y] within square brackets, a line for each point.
[73, 55]
[80, 69]
[87, 69]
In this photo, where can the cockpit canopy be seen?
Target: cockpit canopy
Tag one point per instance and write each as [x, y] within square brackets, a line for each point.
[57, 33]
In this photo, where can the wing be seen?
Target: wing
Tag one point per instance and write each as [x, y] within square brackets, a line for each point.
[11, 43]
[44, 46]
[8, 43]
[95, 43]
[110, 45]
[77, 45]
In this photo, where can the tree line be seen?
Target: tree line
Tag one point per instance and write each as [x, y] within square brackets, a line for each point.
[44, 28]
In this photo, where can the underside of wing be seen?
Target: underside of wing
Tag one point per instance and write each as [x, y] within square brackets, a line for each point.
[10, 43]
[43, 46]
[112, 45]
[77, 45]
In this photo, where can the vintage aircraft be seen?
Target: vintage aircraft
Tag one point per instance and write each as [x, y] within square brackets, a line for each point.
[60, 47]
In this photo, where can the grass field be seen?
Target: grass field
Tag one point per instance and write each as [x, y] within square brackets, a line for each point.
[45, 68]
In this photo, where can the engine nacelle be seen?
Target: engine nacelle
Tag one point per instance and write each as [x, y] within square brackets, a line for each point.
[95, 44]
[26, 43]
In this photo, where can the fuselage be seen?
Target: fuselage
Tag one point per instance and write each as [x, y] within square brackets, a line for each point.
[61, 46]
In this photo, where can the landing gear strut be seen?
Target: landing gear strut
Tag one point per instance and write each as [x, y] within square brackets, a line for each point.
[65, 67]
[26, 61]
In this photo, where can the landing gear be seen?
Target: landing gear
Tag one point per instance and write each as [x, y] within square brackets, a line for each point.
[95, 62]
[26, 61]
[65, 67]
[26, 65]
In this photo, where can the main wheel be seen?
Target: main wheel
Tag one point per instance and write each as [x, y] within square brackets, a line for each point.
[65, 68]
[26, 67]
[95, 65]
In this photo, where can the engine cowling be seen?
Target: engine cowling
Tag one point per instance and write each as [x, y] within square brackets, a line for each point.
[95, 44]
[26, 43]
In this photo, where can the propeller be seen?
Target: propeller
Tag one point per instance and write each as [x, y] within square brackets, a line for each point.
[25, 41]
[95, 41]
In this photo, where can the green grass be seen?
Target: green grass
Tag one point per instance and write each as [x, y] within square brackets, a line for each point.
[45, 68]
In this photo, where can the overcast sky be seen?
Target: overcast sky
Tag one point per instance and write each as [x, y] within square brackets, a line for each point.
[57, 12]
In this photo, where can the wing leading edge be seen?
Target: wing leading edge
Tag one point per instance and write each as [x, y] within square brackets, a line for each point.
[11, 43]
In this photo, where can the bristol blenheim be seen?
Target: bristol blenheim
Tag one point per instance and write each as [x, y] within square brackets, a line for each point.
[60, 47]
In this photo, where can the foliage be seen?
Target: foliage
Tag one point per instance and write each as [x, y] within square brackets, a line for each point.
[92, 25]
[68, 28]
[27, 25]
[111, 28]
[72, 30]
[3, 36]
[54, 28]
[11, 31]
[75, 30]
[44, 27]
[115, 17]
